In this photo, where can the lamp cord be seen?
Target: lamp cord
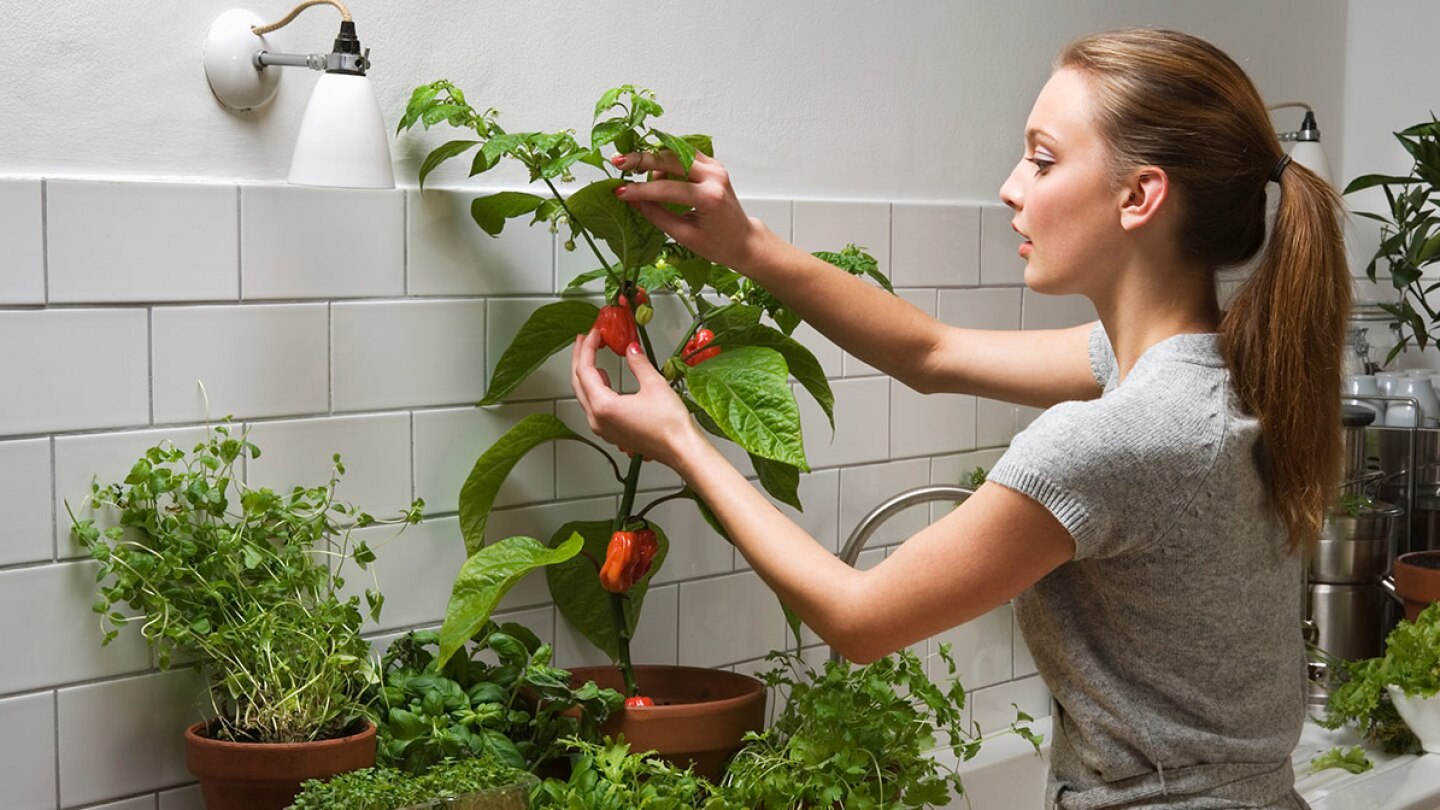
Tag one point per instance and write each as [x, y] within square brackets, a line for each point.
[261, 30]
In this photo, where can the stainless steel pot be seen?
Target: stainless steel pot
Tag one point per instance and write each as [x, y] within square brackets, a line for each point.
[1393, 448]
[1357, 548]
[1350, 622]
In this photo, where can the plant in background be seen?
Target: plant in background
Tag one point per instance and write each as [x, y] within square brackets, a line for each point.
[1410, 234]
[731, 369]
[247, 587]
[1411, 662]
[500, 787]
[514, 711]
[857, 737]
[611, 777]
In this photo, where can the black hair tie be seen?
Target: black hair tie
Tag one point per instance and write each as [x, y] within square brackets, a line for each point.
[1279, 168]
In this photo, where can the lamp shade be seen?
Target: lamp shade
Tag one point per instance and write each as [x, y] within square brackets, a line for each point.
[1311, 155]
[342, 139]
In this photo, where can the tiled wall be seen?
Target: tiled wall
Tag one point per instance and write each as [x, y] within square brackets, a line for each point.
[366, 323]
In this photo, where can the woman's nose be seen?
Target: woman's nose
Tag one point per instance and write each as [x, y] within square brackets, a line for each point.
[1011, 191]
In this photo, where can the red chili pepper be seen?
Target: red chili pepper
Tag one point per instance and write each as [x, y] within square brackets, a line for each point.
[617, 326]
[695, 352]
[619, 558]
[641, 297]
[645, 547]
[638, 700]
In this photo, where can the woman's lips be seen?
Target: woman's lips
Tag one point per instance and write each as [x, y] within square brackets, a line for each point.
[1025, 248]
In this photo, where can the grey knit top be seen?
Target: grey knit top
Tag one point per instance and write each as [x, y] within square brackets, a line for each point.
[1171, 643]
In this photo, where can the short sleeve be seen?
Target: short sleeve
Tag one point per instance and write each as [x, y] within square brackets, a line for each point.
[1102, 358]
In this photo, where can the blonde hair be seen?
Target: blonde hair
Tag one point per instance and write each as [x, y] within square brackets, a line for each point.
[1175, 101]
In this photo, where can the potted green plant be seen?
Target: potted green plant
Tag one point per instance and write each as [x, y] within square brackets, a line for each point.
[1394, 700]
[244, 584]
[732, 366]
[514, 711]
[470, 783]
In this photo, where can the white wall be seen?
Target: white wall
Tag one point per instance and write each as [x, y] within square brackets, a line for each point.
[117, 292]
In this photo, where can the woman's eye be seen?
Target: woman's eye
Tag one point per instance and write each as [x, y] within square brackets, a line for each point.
[1041, 164]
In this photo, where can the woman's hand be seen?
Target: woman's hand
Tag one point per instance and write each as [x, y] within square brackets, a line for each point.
[652, 422]
[715, 227]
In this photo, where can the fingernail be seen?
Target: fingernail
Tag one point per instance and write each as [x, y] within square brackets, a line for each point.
[620, 190]
[618, 160]
[633, 348]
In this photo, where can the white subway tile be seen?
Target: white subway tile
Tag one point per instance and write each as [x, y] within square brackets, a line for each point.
[776, 214]
[956, 470]
[375, 450]
[415, 572]
[126, 736]
[993, 707]
[994, 422]
[980, 309]
[1055, 311]
[926, 424]
[27, 501]
[866, 487]
[110, 241]
[571, 263]
[449, 442]
[935, 245]
[27, 752]
[398, 354]
[298, 242]
[504, 317]
[541, 522]
[728, 619]
[1024, 415]
[1024, 661]
[830, 225]
[580, 471]
[450, 255]
[22, 242]
[186, 798]
[695, 549]
[655, 640]
[820, 495]
[137, 803]
[1000, 262]
[267, 360]
[80, 369]
[862, 416]
[104, 458]
[981, 648]
[831, 356]
[60, 643]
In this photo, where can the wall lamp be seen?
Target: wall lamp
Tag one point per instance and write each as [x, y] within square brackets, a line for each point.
[1306, 149]
[342, 140]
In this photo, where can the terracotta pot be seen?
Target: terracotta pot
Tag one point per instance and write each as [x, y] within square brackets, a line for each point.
[267, 776]
[699, 716]
[1417, 580]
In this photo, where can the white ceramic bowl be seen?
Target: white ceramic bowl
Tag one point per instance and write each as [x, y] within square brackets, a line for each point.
[1421, 714]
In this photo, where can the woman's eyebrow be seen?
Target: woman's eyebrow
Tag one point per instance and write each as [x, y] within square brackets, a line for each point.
[1034, 135]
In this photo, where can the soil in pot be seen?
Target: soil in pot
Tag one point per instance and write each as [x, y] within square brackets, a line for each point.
[267, 776]
[699, 718]
[1417, 580]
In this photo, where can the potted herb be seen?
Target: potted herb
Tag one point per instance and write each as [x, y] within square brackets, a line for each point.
[244, 584]
[611, 775]
[514, 711]
[1394, 700]
[473, 783]
[731, 367]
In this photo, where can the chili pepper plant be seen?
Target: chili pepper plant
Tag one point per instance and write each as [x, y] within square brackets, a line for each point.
[731, 366]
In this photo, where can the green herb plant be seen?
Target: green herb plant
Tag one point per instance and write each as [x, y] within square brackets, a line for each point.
[1409, 234]
[857, 737]
[380, 788]
[743, 394]
[1351, 759]
[243, 582]
[610, 776]
[1411, 662]
[514, 711]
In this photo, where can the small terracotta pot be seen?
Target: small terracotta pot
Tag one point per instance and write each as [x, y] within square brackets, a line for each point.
[267, 776]
[699, 716]
[1417, 580]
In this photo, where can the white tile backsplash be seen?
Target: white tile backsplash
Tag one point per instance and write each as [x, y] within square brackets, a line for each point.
[375, 449]
[22, 242]
[299, 242]
[776, 214]
[1000, 262]
[862, 488]
[728, 619]
[935, 245]
[27, 752]
[830, 225]
[186, 798]
[993, 707]
[695, 549]
[923, 425]
[27, 534]
[1055, 311]
[73, 369]
[450, 255]
[862, 416]
[110, 242]
[449, 443]
[398, 354]
[979, 309]
[981, 649]
[414, 570]
[656, 635]
[263, 360]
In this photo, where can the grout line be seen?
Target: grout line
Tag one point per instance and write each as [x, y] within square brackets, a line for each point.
[55, 712]
[405, 241]
[54, 506]
[330, 357]
[239, 247]
[150, 359]
[45, 239]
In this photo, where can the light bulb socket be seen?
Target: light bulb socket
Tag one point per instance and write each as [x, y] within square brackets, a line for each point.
[346, 57]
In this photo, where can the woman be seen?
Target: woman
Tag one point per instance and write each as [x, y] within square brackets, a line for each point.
[1149, 524]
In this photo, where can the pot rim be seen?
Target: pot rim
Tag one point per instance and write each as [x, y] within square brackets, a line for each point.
[1409, 555]
[684, 709]
[194, 736]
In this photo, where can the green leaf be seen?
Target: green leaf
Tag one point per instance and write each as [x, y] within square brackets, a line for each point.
[420, 99]
[607, 131]
[780, 480]
[442, 153]
[682, 148]
[549, 329]
[484, 580]
[702, 144]
[478, 493]
[491, 212]
[575, 585]
[607, 100]
[747, 392]
[802, 364]
[630, 236]
[1370, 180]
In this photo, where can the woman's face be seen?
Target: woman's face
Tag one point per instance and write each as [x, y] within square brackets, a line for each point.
[1066, 205]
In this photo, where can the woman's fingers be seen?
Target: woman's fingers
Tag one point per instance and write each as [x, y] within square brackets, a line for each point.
[679, 192]
[649, 162]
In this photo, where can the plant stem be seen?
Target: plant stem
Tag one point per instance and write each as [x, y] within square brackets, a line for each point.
[617, 601]
[583, 232]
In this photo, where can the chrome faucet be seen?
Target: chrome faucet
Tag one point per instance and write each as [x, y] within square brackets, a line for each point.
[896, 504]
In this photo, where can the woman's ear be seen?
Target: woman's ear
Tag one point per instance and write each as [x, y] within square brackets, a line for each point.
[1142, 196]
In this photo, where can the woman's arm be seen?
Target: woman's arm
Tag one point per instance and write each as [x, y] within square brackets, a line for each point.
[994, 546]
[1032, 367]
